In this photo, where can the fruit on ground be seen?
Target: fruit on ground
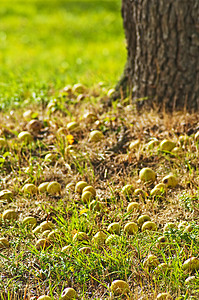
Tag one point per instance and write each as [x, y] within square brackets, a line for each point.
[147, 175]
[156, 192]
[44, 297]
[149, 225]
[131, 228]
[42, 244]
[161, 186]
[140, 193]
[96, 205]
[6, 194]
[90, 117]
[170, 181]
[114, 228]
[134, 145]
[3, 143]
[162, 241]
[99, 238]
[89, 188]
[119, 287]
[113, 239]
[50, 157]
[191, 264]
[190, 280]
[9, 214]
[142, 219]
[85, 250]
[133, 206]
[87, 197]
[42, 188]
[73, 126]
[80, 185]
[67, 249]
[54, 188]
[127, 189]
[29, 221]
[46, 225]
[4, 243]
[151, 261]
[169, 226]
[167, 145]
[79, 88]
[80, 236]
[68, 293]
[34, 126]
[164, 296]
[25, 136]
[29, 188]
[161, 268]
[95, 136]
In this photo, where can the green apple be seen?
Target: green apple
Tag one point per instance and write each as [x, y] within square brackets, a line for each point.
[68, 294]
[169, 226]
[80, 236]
[90, 117]
[96, 205]
[161, 186]
[42, 244]
[156, 192]
[119, 287]
[149, 225]
[34, 126]
[44, 297]
[134, 145]
[73, 127]
[31, 221]
[140, 194]
[54, 235]
[89, 188]
[133, 206]
[162, 268]
[87, 197]
[114, 228]
[151, 144]
[131, 228]
[142, 219]
[30, 188]
[47, 225]
[79, 88]
[54, 188]
[167, 145]
[9, 214]
[45, 234]
[25, 137]
[147, 175]
[151, 261]
[4, 243]
[96, 136]
[191, 264]
[127, 189]
[162, 241]
[170, 181]
[6, 195]
[50, 157]
[27, 115]
[99, 238]
[37, 230]
[80, 185]
[190, 280]
[42, 188]
[164, 296]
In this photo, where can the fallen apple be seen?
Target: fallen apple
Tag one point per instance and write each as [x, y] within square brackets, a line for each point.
[96, 205]
[44, 297]
[42, 244]
[147, 175]
[34, 126]
[27, 115]
[85, 250]
[87, 197]
[80, 185]
[149, 225]
[134, 145]
[142, 219]
[80, 236]
[114, 228]
[99, 238]
[131, 228]
[47, 225]
[191, 264]
[90, 117]
[50, 157]
[54, 188]
[67, 249]
[73, 126]
[113, 239]
[31, 221]
[89, 188]
[170, 181]
[120, 287]
[133, 206]
[6, 195]
[30, 188]
[42, 188]
[164, 296]
[151, 261]
[169, 226]
[167, 145]
[191, 280]
[79, 88]
[96, 136]
[25, 137]
[139, 193]
[162, 268]
[68, 293]
[128, 189]
[9, 214]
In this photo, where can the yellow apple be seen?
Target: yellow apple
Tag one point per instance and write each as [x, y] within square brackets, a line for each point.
[73, 126]
[31, 221]
[80, 236]
[164, 296]
[87, 197]
[167, 145]
[191, 264]
[54, 188]
[147, 175]
[4, 243]
[114, 228]
[127, 189]
[42, 244]
[80, 185]
[133, 206]
[149, 225]
[25, 137]
[120, 287]
[42, 188]
[29, 188]
[9, 215]
[170, 181]
[44, 297]
[68, 294]
[96, 136]
[151, 261]
[99, 238]
[131, 228]
[89, 188]
[142, 219]
[6, 194]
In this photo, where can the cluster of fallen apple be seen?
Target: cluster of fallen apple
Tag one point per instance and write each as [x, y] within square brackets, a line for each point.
[47, 231]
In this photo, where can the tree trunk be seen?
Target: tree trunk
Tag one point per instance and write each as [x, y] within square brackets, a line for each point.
[162, 68]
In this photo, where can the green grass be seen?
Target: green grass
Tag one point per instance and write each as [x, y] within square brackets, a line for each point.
[45, 45]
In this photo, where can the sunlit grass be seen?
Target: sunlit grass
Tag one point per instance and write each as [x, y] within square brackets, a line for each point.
[47, 44]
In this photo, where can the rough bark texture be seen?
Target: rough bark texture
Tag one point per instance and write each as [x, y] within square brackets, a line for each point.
[163, 52]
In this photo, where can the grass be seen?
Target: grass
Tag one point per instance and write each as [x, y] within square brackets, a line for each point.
[45, 45]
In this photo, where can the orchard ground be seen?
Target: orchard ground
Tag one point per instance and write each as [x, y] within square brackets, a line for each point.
[34, 260]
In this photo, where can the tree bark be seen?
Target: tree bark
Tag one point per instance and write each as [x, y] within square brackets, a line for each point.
[162, 68]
